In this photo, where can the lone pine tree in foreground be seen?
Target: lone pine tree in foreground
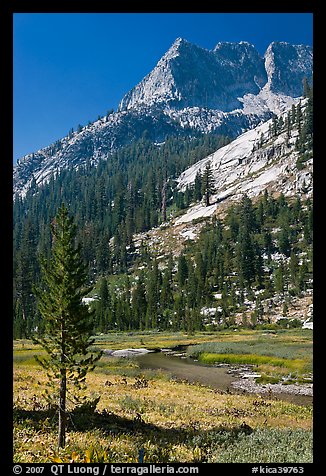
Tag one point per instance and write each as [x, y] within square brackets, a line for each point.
[67, 321]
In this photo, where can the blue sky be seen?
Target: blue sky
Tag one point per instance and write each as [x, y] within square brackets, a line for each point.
[71, 67]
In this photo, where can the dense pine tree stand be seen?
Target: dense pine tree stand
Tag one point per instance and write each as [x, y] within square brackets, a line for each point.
[67, 321]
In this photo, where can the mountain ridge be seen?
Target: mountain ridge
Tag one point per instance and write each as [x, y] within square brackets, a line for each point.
[238, 56]
[190, 91]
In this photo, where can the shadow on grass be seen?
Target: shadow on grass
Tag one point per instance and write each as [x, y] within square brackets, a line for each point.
[237, 443]
[110, 423]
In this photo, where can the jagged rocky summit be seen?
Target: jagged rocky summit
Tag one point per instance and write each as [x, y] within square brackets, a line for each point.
[190, 76]
[191, 90]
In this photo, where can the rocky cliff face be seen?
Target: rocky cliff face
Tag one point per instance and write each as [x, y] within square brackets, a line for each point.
[286, 66]
[227, 90]
[253, 162]
[190, 76]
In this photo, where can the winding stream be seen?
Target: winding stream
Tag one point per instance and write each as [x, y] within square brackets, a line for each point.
[215, 377]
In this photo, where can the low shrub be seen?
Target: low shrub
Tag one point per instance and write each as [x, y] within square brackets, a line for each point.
[269, 446]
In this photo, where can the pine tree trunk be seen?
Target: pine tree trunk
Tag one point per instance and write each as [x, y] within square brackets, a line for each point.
[207, 198]
[63, 391]
[62, 410]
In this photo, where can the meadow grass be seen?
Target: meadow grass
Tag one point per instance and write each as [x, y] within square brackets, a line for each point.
[251, 359]
[173, 421]
[150, 339]
[278, 352]
[289, 345]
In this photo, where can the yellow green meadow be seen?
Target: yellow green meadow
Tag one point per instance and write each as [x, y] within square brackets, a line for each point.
[171, 421]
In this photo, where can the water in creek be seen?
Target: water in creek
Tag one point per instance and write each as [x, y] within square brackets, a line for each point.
[215, 377]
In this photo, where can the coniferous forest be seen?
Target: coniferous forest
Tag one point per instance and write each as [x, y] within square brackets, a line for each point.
[109, 203]
[134, 191]
[257, 251]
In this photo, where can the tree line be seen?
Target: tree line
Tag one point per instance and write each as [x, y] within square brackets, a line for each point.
[263, 247]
